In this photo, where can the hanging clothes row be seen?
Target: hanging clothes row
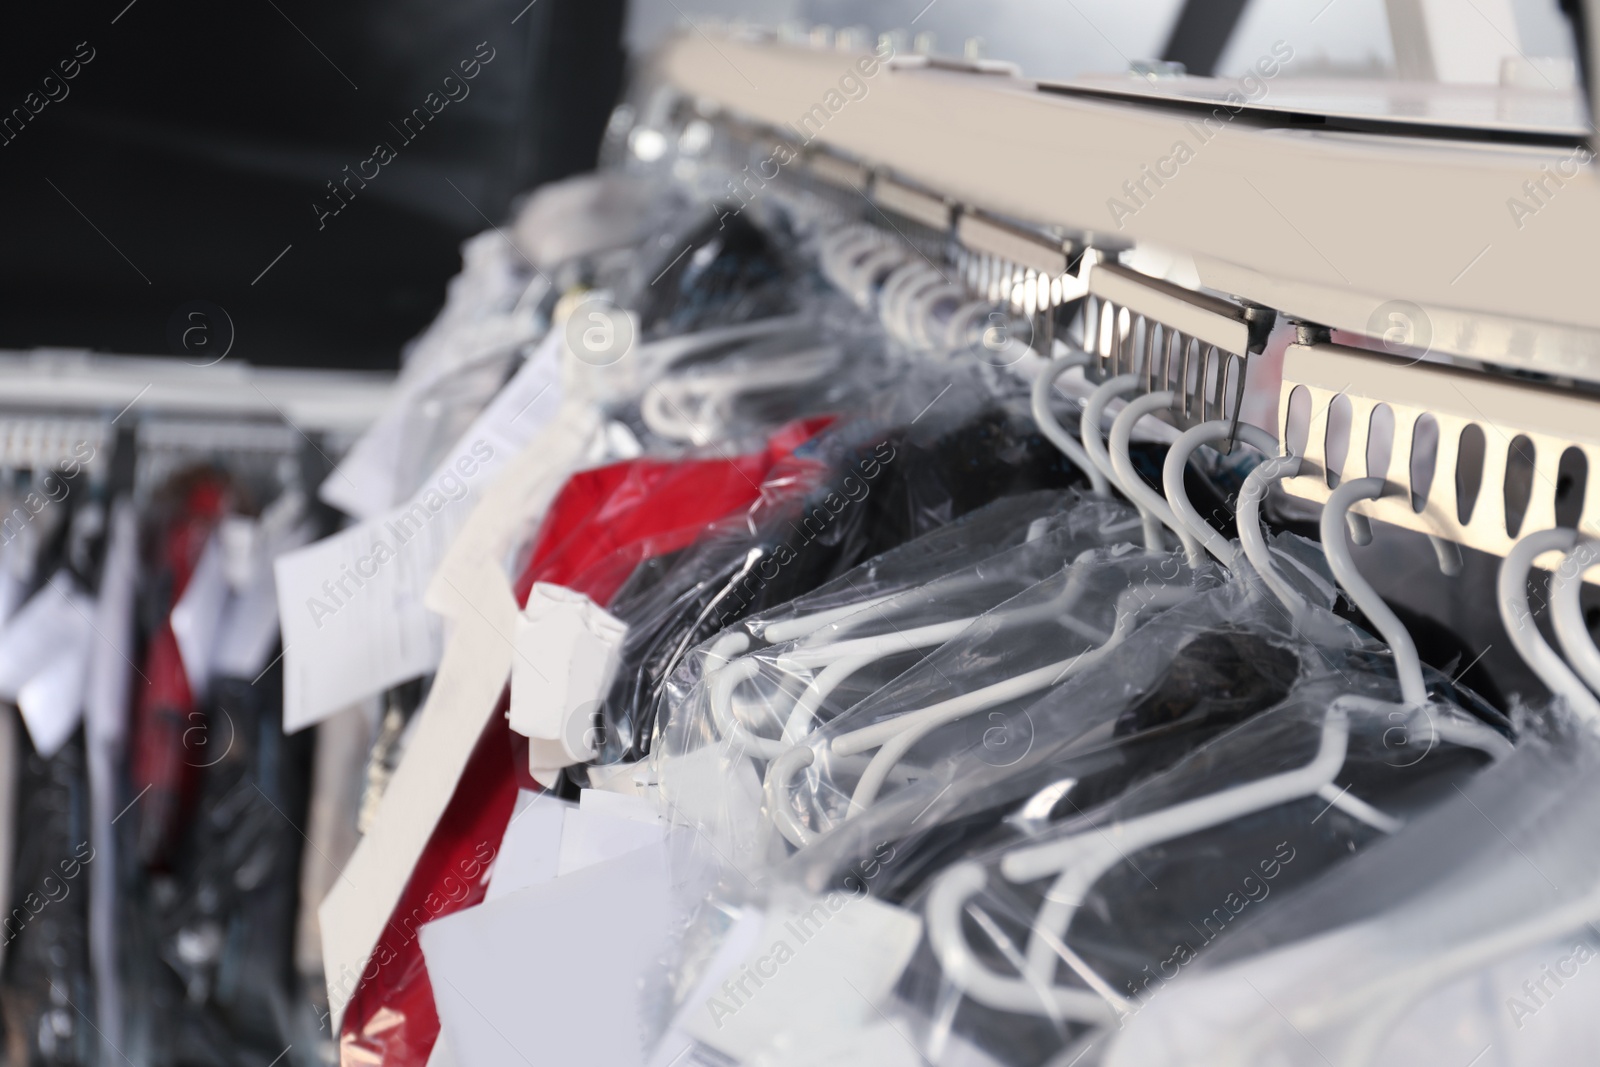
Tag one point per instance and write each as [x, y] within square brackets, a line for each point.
[816, 693]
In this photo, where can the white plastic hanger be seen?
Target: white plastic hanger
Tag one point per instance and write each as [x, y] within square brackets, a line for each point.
[1375, 1011]
[1053, 431]
[791, 754]
[1178, 497]
[1413, 690]
[895, 737]
[1254, 543]
[821, 667]
[1080, 860]
[1089, 429]
[1512, 590]
[1567, 613]
[1147, 499]
[696, 408]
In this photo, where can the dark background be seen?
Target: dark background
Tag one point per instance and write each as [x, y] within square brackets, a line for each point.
[200, 135]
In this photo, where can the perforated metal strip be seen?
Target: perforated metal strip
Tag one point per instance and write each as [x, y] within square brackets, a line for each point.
[1550, 419]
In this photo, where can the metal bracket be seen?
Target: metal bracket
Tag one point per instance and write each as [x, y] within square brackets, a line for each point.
[1191, 343]
[1446, 495]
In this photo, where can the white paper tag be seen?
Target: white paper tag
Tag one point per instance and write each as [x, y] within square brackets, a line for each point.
[44, 661]
[352, 610]
[197, 616]
[45, 624]
[51, 701]
[593, 932]
[877, 1044]
[240, 538]
[530, 849]
[568, 651]
[472, 580]
[822, 965]
[629, 779]
[249, 625]
[619, 805]
[588, 837]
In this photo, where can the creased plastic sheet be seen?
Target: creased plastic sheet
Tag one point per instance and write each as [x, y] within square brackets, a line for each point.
[1471, 934]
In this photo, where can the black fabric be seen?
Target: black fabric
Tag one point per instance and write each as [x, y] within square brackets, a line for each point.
[881, 494]
[47, 918]
[214, 937]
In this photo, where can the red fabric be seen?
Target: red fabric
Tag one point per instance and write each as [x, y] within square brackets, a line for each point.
[602, 524]
[391, 1018]
[649, 506]
[168, 727]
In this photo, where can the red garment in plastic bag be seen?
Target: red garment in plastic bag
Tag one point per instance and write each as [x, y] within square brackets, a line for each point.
[608, 520]
[602, 524]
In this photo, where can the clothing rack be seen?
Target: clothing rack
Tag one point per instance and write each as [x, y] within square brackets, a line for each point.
[1020, 183]
[1248, 211]
[71, 382]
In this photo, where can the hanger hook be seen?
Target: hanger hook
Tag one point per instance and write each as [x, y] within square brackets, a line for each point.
[1094, 412]
[926, 329]
[1254, 543]
[1152, 505]
[1043, 386]
[1567, 612]
[1178, 497]
[1515, 615]
[1334, 514]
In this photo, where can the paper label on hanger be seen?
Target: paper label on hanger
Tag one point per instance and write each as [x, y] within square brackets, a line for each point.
[603, 927]
[822, 964]
[353, 617]
[249, 626]
[619, 805]
[44, 661]
[568, 649]
[627, 779]
[365, 482]
[51, 702]
[197, 616]
[589, 837]
[530, 849]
